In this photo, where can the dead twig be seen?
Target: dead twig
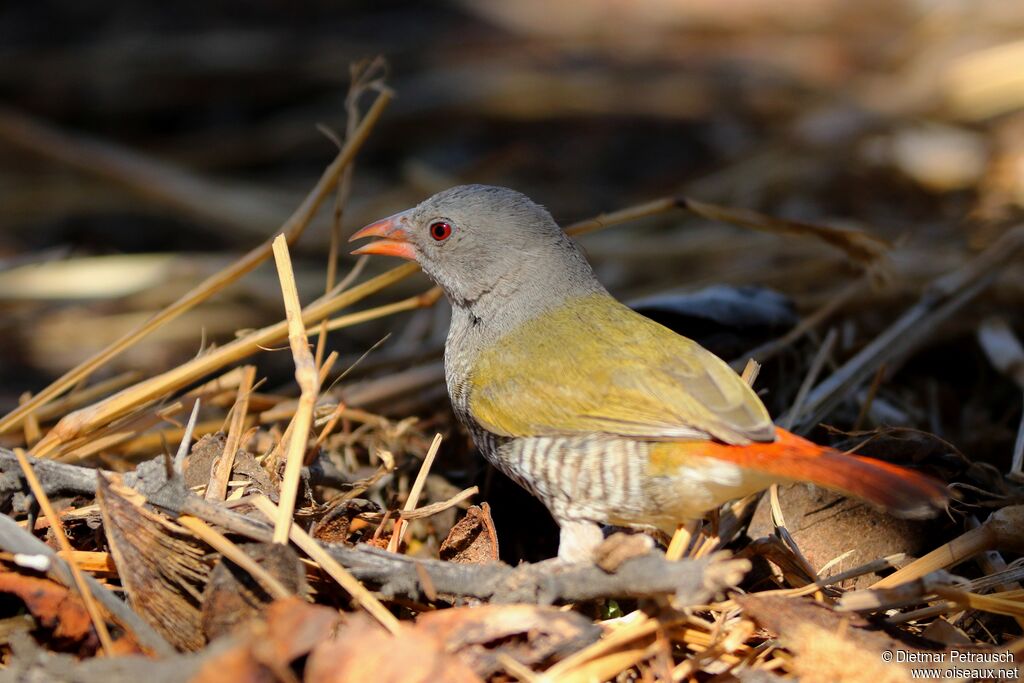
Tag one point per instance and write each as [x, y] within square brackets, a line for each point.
[218, 486]
[440, 506]
[414, 494]
[864, 247]
[307, 378]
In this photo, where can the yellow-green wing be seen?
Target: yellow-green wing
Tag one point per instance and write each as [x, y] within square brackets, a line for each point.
[594, 365]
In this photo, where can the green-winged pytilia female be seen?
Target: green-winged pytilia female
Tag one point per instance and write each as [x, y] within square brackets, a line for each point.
[604, 415]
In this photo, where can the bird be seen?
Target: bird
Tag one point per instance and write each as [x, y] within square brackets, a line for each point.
[609, 418]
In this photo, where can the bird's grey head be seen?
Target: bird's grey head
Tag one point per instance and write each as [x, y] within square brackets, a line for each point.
[479, 240]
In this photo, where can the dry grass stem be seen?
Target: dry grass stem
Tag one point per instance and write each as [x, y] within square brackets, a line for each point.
[306, 377]
[439, 506]
[864, 247]
[332, 422]
[641, 627]
[424, 300]
[520, 671]
[947, 555]
[218, 486]
[631, 213]
[779, 522]
[750, 372]
[364, 77]
[817, 365]
[186, 438]
[414, 494]
[31, 426]
[94, 562]
[84, 396]
[324, 368]
[1008, 603]
[681, 540]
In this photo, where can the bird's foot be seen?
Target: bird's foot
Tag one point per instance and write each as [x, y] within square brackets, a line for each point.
[578, 540]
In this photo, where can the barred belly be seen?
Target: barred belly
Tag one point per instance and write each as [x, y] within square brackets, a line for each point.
[617, 481]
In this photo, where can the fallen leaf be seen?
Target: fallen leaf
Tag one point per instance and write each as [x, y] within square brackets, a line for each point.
[828, 646]
[204, 453]
[232, 596]
[530, 634]
[363, 651]
[472, 540]
[295, 627]
[54, 607]
[236, 665]
[262, 651]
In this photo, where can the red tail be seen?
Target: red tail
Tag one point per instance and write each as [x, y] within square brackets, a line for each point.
[900, 491]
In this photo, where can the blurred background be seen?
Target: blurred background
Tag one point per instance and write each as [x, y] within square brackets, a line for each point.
[143, 146]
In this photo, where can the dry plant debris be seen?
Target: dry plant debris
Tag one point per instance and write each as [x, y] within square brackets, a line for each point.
[214, 484]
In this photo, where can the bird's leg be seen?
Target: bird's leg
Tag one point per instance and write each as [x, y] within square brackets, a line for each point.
[578, 540]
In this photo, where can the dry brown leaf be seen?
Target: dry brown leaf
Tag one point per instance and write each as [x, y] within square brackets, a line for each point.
[236, 665]
[826, 656]
[473, 539]
[363, 651]
[529, 634]
[201, 459]
[53, 606]
[332, 527]
[233, 597]
[263, 650]
[295, 627]
[828, 646]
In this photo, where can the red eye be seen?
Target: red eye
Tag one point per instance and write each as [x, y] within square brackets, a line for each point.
[440, 230]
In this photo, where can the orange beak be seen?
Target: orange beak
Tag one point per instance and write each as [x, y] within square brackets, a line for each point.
[394, 238]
